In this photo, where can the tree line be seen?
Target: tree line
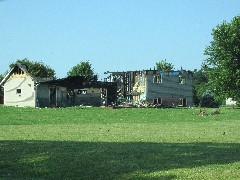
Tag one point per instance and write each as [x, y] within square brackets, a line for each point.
[41, 70]
[217, 79]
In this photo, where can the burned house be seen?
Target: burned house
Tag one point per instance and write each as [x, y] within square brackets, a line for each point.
[21, 88]
[173, 88]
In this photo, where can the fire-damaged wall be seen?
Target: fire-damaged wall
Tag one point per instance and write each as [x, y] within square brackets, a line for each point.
[131, 85]
[51, 96]
[57, 96]
[139, 87]
[155, 87]
[74, 91]
[95, 94]
[87, 97]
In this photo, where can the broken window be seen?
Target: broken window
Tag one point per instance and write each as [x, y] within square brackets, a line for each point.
[157, 79]
[182, 80]
[82, 91]
[19, 91]
[157, 100]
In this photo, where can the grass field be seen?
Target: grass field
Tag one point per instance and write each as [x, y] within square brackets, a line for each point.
[98, 143]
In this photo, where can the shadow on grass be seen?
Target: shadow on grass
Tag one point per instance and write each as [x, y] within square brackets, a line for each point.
[107, 160]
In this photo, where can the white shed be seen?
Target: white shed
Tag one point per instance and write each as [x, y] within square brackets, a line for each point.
[21, 87]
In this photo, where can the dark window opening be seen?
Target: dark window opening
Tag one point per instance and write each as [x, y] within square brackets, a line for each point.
[182, 80]
[19, 91]
[82, 91]
[157, 79]
[183, 102]
[155, 101]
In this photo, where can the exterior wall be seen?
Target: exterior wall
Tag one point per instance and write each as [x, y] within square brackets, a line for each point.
[43, 96]
[169, 90]
[88, 97]
[93, 99]
[19, 90]
[84, 96]
[61, 96]
[58, 99]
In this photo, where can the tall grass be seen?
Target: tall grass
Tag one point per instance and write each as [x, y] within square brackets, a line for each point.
[98, 143]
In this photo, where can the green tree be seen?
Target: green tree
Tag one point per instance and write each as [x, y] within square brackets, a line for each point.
[1, 77]
[222, 65]
[84, 68]
[163, 65]
[38, 69]
[199, 85]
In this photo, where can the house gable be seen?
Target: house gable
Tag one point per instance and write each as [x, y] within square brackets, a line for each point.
[17, 71]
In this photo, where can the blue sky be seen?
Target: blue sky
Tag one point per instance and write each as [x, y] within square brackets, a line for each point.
[114, 35]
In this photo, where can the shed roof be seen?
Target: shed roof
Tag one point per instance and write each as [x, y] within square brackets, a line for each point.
[78, 82]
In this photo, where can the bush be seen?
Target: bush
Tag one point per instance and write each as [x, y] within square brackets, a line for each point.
[208, 100]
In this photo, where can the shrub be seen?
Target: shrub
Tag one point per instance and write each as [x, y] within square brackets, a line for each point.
[208, 100]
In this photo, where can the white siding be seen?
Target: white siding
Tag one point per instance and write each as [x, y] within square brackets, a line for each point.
[19, 91]
[169, 89]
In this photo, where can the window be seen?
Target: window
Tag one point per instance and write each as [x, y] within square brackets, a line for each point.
[19, 91]
[157, 79]
[82, 91]
[157, 100]
[182, 80]
[183, 102]
[154, 79]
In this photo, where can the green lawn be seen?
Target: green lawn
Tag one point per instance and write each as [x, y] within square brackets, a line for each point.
[98, 143]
